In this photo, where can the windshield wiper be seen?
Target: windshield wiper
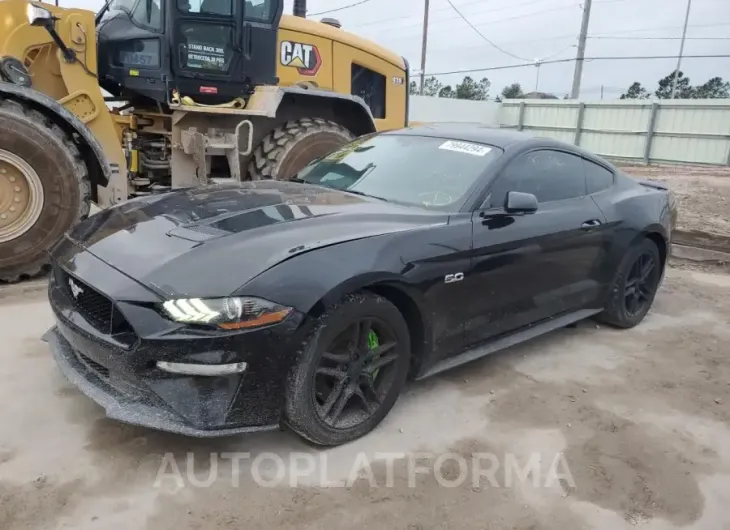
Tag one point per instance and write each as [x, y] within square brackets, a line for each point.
[363, 194]
[354, 192]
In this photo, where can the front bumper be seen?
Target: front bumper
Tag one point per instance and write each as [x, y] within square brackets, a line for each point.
[108, 341]
[126, 404]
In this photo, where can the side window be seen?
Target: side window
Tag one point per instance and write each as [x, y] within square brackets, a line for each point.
[598, 178]
[147, 13]
[206, 7]
[207, 47]
[370, 86]
[259, 10]
[549, 175]
[122, 5]
[143, 53]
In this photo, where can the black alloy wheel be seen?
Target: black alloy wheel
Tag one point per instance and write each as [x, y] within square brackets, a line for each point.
[355, 373]
[349, 371]
[634, 286]
[640, 283]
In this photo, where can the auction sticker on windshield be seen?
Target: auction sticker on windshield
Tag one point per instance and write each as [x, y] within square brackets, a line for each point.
[465, 147]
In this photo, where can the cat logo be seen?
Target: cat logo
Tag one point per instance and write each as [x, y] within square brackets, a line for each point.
[304, 57]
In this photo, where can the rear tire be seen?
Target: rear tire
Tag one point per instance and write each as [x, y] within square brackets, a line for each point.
[634, 286]
[287, 149]
[44, 189]
[329, 357]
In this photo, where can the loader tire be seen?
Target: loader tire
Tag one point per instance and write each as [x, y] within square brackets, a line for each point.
[44, 189]
[287, 149]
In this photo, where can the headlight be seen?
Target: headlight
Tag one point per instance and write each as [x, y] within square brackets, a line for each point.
[226, 313]
[37, 15]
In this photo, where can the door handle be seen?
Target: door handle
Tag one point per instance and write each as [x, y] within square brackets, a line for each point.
[592, 223]
[247, 40]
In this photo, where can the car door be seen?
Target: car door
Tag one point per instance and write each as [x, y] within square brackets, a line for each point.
[260, 52]
[204, 45]
[219, 45]
[529, 267]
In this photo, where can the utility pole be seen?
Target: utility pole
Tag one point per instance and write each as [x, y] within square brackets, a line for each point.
[537, 77]
[578, 73]
[423, 46]
[601, 91]
[681, 51]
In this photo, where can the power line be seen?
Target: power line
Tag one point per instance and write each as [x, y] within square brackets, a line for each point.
[386, 20]
[491, 10]
[613, 1]
[505, 67]
[519, 41]
[658, 28]
[595, 36]
[341, 8]
[485, 23]
[602, 89]
[557, 53]
[658, 38]
[602, 36]
[606, 58]
[482, 35]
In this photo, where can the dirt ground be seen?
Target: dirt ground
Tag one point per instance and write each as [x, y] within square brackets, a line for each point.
[703, 194]
[641, 417]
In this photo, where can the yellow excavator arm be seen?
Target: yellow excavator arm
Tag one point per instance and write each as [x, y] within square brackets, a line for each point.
[72, 83]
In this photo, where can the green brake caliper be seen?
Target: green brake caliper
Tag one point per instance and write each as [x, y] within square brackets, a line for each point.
[373, 343]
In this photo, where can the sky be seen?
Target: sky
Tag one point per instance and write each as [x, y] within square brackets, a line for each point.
[540, 29]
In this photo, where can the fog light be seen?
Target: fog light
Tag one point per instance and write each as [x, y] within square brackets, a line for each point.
[202, 369]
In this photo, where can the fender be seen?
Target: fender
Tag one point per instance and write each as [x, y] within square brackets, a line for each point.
[653, 228]
[333, 270]
[324, 95]
[63, 116]
[370, 279]
[267, 100]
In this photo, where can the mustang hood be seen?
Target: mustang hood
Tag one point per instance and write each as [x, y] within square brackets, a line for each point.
[210, 241]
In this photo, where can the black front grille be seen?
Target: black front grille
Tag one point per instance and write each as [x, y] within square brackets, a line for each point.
[94, 307]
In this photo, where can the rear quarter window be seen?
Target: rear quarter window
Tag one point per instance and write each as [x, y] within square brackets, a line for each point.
[598, 178]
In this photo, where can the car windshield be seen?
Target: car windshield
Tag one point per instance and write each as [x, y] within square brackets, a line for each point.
[434, 173]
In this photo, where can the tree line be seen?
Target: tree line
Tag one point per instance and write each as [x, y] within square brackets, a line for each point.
[714, 88]
[469, 88]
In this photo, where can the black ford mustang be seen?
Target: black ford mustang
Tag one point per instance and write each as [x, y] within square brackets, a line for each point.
[242, 307]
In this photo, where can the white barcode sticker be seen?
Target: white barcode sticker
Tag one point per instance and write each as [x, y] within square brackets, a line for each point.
[465, 147]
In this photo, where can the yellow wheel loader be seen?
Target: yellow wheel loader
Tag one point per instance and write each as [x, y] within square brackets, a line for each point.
[151, 95]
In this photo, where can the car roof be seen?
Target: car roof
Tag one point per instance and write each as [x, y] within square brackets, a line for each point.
[502, 138]
[467, 132]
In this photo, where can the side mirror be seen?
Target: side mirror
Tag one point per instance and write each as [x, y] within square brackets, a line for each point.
[42, 17]
[518, 202]
[39, 16]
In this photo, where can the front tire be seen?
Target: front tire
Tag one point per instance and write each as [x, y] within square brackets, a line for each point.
[349, 372]
[287, 149]
[634, 286]
[44, 189]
